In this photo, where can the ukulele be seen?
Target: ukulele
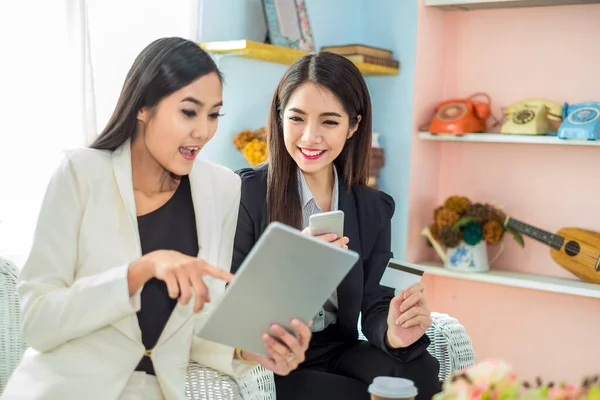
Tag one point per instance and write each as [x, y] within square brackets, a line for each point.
[575, 249]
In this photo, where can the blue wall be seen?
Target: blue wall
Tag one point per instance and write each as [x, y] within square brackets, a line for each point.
[392, 24]
[249, 84]
[335, 22]
[230, 20]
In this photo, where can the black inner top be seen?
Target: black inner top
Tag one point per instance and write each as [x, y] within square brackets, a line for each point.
[170, 227]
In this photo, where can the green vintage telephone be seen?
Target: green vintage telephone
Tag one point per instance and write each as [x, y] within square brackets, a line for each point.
[531, 117]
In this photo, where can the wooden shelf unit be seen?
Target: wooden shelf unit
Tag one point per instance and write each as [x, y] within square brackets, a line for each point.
[280, 55]
[504, 138]
[518, 279]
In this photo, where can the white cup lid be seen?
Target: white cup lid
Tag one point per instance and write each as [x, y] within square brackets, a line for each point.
[387, 386]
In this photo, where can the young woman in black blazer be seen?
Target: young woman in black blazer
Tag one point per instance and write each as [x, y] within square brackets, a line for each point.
[319, 140]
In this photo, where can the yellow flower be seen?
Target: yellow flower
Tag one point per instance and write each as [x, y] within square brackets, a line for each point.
[242, 139]
[445, 218]
[458, 204]
[255, 152]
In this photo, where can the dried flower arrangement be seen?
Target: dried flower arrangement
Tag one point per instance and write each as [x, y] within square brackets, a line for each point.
[459, 219]
[253, 144]
[495, 380]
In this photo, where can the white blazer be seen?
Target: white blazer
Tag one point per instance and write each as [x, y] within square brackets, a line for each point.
[77, 315]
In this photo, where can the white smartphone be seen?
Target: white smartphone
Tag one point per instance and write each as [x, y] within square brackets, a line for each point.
[327, 222]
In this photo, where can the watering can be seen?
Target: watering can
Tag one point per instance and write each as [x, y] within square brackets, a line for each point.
[463, 257]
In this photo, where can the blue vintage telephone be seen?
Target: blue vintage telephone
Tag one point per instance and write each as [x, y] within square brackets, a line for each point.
[580, 121]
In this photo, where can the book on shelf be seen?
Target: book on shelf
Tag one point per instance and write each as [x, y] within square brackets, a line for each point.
[354, 49]
[386, 62]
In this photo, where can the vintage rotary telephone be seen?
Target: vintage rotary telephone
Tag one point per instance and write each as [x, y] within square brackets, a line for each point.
[580, 121]
[460, 116]
[531, 117]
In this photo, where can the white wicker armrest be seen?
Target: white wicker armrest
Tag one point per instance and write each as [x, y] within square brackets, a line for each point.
[205, 383]
[11, 345]
[450, 345]
[257, 385]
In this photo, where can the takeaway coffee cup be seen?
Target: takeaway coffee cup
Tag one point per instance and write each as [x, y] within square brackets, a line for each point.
[389, 388]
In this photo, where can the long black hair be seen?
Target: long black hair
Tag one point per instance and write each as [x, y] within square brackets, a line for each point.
[342, 78]
[162, 68]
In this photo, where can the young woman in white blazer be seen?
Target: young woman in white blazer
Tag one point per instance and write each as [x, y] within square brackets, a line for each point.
[133, 239]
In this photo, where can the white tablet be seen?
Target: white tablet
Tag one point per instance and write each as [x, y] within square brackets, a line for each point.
[286, 275]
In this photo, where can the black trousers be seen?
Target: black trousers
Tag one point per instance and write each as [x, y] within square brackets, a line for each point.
[336, 369]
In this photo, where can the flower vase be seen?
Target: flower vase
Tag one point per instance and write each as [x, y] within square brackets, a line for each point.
[465, 257]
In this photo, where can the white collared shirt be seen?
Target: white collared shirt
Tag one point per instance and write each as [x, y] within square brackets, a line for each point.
[327, 314]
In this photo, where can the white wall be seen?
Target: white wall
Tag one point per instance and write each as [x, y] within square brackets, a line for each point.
[32, 81]
[121, 29]
[38, 114]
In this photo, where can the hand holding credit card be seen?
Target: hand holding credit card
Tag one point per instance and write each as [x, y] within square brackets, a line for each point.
[408, 317]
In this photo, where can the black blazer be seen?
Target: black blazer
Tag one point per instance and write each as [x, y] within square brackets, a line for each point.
[367, 223]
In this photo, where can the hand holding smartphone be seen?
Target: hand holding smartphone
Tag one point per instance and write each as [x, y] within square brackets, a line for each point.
[329, 226]
[327, 222]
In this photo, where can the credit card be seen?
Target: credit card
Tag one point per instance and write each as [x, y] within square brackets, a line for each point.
[401, 276]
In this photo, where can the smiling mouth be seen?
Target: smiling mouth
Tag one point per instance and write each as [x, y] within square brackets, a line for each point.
[311, 154]
[189, 153]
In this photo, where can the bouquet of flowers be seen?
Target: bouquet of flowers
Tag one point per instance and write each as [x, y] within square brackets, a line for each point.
[253, 144]
[495, 380]
[459, 219]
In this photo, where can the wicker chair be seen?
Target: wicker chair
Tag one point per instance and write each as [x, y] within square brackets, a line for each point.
[449, 344]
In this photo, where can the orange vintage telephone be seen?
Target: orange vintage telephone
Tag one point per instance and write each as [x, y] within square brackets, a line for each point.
[531, 117]
[460, 116]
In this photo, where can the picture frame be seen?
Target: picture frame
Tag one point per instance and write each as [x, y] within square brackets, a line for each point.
[288, 24]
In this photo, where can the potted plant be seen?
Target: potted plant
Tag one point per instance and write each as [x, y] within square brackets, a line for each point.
[461, 231]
